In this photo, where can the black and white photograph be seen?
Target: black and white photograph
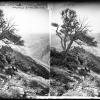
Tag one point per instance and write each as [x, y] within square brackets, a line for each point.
[75, 50]
[24, 50]
[49, 50]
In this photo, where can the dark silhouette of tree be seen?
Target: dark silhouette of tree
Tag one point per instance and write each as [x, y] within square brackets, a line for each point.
[7, 32]
[72, 30]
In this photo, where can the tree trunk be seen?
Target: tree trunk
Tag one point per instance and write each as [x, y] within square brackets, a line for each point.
[62, 44]
[65, 44]
[69, 45]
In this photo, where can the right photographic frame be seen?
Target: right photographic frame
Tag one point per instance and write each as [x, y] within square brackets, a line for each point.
[74, 49]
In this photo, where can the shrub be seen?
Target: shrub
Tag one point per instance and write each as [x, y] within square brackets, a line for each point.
[21, 65]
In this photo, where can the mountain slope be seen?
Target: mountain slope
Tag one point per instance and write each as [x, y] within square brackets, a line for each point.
[77, 74]
[28, 62]
[21, 76]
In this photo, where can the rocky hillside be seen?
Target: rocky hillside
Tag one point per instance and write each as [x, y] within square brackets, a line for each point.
[77, 74]
[21, 76]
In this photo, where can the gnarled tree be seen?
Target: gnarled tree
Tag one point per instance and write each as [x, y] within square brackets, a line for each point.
[7, 32]
[73, 31]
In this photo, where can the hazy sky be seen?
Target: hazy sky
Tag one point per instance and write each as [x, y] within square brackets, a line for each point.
[29, 21]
